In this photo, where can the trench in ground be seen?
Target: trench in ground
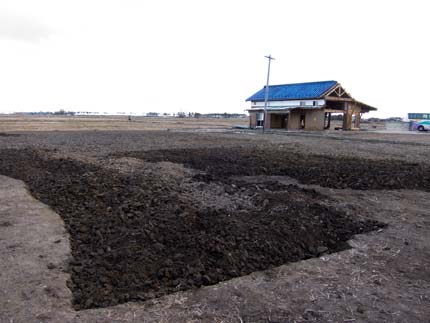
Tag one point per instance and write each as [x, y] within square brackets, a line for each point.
[139, 236]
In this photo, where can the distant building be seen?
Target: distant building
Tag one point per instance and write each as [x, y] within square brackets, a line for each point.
[152, 114]
[305, 106]
[224, 115]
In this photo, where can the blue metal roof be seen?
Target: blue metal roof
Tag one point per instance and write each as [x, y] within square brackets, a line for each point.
[296, 91]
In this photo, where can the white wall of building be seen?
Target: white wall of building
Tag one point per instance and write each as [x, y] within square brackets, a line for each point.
[289, 103]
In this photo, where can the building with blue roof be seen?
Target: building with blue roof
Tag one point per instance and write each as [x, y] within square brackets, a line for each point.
[306, 106]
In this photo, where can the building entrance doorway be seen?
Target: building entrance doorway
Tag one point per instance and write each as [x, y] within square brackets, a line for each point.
[285, 121]
[279, 121]
[302, 120]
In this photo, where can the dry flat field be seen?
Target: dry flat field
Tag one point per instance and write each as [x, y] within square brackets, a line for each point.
[82, 123]
[101, 221]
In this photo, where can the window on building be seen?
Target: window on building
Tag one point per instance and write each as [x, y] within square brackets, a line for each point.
[302, 103]
[417, 116]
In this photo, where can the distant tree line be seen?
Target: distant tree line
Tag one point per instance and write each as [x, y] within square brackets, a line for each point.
[224, 115]
[60, 112]
[198, 115]
[392, 119]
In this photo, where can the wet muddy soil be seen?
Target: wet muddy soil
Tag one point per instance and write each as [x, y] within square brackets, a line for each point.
[219, 164]
[140, 235]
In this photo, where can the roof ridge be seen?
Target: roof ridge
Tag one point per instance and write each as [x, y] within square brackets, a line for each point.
[295, 90]
[299, 83]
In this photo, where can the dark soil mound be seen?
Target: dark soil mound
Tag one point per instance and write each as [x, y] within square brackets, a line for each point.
[336, 172]
[135, 237]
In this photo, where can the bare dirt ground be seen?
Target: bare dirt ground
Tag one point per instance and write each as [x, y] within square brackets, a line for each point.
[383, 277]
[79, 123]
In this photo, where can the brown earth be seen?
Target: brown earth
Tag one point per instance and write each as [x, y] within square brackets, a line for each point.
[327, 171]
[138, 237]
[275, 199]
[24, 122]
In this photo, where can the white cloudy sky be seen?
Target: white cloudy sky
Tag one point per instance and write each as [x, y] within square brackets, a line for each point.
[208, 56]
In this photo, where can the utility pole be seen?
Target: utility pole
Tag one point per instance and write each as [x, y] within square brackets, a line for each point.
[266, 94]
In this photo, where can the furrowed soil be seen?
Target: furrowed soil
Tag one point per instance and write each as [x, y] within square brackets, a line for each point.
[136, 237]
[214, 227]
[327, 171]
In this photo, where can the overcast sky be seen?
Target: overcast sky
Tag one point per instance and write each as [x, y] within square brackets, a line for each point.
[208, 56]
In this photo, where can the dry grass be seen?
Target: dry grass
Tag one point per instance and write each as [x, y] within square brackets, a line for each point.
[14, 123]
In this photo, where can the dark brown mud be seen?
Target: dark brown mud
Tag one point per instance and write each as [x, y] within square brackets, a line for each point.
[336, 172]
[139, 236]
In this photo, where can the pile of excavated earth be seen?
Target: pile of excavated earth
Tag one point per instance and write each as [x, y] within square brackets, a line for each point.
[191, 217]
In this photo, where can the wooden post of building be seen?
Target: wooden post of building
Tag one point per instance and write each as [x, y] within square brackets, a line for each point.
[357, 119]
[347, 116]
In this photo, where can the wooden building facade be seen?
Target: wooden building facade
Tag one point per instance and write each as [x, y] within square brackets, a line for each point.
[306, 106]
